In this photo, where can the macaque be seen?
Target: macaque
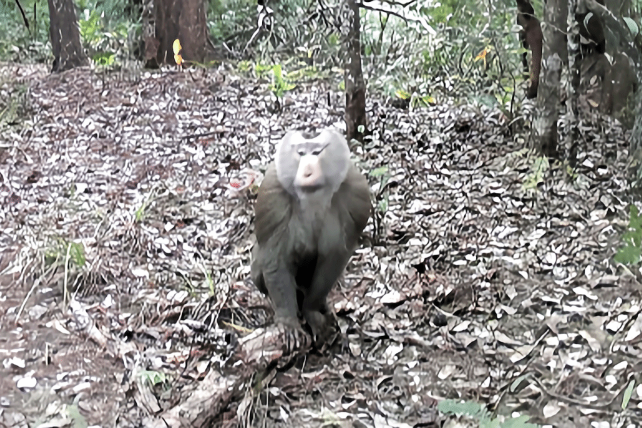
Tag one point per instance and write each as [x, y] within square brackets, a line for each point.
[619, 83]
[591, 32]
[531, 37]
[310, 210]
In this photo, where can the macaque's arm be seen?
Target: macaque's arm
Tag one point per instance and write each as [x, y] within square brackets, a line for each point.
[354, 205]
[273, 208]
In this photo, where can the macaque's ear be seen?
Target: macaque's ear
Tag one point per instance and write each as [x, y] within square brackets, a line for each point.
[287, 159]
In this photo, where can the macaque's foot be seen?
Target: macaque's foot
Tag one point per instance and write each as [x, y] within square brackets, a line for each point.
[322, 326]
[294, 335]
[292, 322]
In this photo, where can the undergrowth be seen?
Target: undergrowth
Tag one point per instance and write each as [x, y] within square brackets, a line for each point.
[479, 413]
[429, 52]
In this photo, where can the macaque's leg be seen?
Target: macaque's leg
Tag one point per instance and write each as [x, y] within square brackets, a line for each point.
[525, 62]
[256, 272]
[281, 288]
[327, 273]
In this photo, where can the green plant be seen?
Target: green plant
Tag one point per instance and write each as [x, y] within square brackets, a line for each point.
[380, 199]
[629, 253]
[382, 173]
[479, 412]
[104, 42]
[415, 100]
[226, 17]
[572, 173]
[244, 67]
[17, 43]
[540, 167]
[627, 394]
[61, 248]
[140, 212]
[209, 281]
[262, 70]
[153, 377]
[279, 84]
[13, 109]
[77, 253]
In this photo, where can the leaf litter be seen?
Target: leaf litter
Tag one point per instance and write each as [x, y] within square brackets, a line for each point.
[127, 209]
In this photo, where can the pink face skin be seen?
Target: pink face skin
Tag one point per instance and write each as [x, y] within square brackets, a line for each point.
[309, 176]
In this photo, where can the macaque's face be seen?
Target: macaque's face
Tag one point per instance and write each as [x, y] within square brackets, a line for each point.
[309, 176]
[307, 166]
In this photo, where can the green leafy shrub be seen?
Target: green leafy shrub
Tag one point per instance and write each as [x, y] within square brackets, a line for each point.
[629, 253]
[17, 44]
[480, 413]
[103, 42]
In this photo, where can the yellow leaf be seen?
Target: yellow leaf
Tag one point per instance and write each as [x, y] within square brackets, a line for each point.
[178, 59]
[482, 55]
[400, 93]
[177, 47]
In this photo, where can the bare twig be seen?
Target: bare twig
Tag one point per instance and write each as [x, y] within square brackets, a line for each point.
[389, 12]
[24, 15]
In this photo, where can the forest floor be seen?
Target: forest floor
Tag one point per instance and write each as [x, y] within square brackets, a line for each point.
[478, 279]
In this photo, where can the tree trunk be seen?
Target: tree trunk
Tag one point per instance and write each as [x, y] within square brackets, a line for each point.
[65, 36]
[150, 42]
[573, 84]
[544, 131]
[355, 115]
[531, 37]
[183, 20]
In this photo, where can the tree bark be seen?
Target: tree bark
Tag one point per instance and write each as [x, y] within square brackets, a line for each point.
[355, 114]
[183, 20]
[544, 130]
[65, 36]
[150, 42]
[531, 37]
[573, 84]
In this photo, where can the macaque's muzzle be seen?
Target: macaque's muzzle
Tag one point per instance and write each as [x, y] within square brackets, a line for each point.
[309, 176]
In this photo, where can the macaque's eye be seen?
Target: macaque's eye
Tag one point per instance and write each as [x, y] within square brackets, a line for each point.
[316, 152]
[300, 152]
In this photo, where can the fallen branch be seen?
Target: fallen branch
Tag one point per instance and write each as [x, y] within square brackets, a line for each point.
[257, 351]
[274, 346]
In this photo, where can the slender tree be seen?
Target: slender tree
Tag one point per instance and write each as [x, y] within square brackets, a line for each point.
[573, 83]
[355, 113]
[65, 36]
[544, 131]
